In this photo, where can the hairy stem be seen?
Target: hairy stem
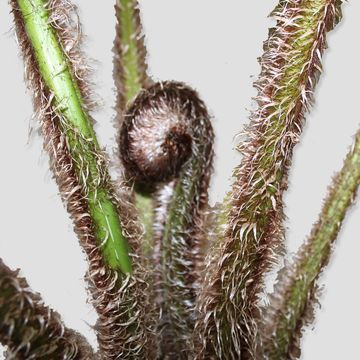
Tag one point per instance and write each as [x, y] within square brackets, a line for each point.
[29, 329]
[296, 287]
[76, 128]
[290, 68]
[49, 38]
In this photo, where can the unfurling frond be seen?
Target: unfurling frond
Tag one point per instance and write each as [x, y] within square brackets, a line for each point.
[166, 149]
[290, 68]
[167, 138]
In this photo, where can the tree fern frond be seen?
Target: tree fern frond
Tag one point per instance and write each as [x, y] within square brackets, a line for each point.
[130, 69]
[59, 97]
[130, 75]
[170, 210]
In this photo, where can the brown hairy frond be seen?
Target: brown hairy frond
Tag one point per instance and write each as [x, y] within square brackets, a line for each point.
[166, 144]
[122, 327]
[169, 277]
[130, 75]
[290, 68]
[29, 329]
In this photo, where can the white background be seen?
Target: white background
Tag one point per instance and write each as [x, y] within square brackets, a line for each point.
[214, 48]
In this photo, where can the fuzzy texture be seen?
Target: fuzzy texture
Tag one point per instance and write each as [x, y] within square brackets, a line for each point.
[291, 304]
[167, 137]
[290, 68]
[29, 329]
[156, 136]
[122, 329]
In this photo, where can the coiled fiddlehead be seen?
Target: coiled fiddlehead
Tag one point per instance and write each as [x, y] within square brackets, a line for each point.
[166, 145]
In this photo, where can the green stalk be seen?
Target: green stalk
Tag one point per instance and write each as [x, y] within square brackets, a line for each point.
[61, 95]
[130, 73]
[77, 129]
[29, 329]
[296, 286]
[130, 50]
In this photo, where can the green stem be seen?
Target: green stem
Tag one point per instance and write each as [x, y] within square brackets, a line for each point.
[297, 281]
[130, 73]
[130, 49]
[78, 131]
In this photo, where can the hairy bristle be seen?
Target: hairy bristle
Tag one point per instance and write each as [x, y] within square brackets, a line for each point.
[290, 68]
[65, 19]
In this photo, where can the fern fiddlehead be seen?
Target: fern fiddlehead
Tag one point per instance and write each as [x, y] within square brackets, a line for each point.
[167, 137]
[166, 147]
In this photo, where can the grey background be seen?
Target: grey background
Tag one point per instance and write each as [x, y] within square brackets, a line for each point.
[213, 46]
